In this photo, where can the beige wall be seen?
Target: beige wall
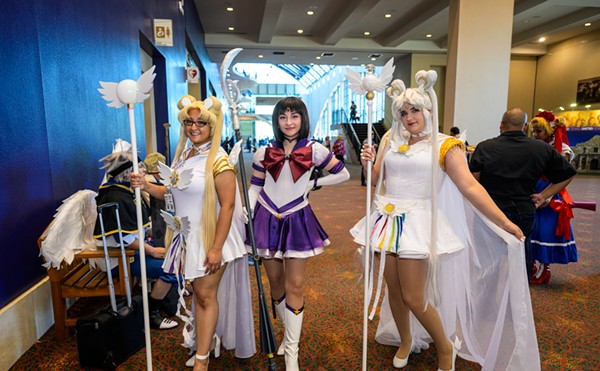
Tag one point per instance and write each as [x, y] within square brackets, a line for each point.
[559, 70]
[521, 84]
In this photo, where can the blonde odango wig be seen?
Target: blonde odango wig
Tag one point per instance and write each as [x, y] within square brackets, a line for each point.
[210, 112]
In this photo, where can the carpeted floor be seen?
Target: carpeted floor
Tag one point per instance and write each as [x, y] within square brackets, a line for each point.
[566, 311]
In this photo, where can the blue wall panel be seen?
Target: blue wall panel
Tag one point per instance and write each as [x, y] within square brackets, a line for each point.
[55, 125]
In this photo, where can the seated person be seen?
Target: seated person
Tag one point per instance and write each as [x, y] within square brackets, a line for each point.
[117, 189]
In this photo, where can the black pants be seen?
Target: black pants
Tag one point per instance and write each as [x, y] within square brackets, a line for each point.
[523, 215]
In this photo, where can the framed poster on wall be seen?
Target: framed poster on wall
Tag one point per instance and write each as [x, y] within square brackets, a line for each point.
[588, 91]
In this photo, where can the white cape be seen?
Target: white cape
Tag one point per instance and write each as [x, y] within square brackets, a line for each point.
[484, 291]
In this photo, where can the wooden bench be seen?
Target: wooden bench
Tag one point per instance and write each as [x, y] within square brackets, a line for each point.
[78, 280]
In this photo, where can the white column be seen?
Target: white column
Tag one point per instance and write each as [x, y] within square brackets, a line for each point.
[479, 43]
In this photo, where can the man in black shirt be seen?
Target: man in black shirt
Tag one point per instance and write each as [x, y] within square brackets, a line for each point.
[509, 166]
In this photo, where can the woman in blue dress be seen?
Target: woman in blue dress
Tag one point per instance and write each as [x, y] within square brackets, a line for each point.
[552, 239]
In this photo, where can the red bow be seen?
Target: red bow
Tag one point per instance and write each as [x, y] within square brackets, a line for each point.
[565, 214]
[300, 161]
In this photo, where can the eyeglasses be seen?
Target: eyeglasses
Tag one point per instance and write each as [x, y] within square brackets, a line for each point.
[200, 124]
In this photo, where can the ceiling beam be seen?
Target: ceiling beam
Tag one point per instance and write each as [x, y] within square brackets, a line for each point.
[269, 20]
[529, 4]
[556, 25]
[411, 22]
[350, 13]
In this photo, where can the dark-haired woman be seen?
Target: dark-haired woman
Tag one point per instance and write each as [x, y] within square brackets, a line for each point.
[286, 229]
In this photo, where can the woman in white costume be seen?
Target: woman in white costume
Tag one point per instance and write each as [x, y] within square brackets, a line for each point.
[287, 231]
[452, 261]
[207, 233]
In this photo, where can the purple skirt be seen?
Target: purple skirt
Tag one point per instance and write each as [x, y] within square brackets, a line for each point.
[297, 235]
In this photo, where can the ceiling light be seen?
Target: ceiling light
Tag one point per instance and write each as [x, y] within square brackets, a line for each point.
[318, 57]
[310, 12]
[588, 24]
[373, 59]
[231, 28]
[388, 15]
[300, 31]
[312, 63]
[588, 106]
[542, 39]
[573, 105]
[354, 58]
[260, 56]
[561, 108]
[367, 33]
[229, 9]
[428, 36]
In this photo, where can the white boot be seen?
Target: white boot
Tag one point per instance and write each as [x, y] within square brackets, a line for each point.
[280, 308]
[293, 328]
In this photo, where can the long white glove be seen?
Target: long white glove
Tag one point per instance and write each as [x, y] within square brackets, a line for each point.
[332, 179]
[253, 192]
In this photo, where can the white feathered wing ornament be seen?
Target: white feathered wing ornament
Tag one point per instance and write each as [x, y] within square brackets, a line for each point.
[128, 91]
[234, 155]
[72, 229]
[174, 178]
[370, 82]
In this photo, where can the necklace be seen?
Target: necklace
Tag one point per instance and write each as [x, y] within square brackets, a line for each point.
[290, 140]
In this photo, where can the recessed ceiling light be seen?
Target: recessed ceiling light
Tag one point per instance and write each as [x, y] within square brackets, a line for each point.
[300, 31]
[542, 39]
[573, 105]
[318, 57]
[588, 24]
[312, 63]
[310, 12]
[373, 59]
[260, 56]
[388, 15]
[231, 28]
[588, 106]
[230, 9]
[367, 33]
[428, 36]
[354, 58]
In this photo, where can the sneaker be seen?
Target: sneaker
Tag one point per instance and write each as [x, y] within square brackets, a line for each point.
[161, 323]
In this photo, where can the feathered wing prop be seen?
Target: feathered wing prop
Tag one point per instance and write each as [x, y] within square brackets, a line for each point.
[370, 82]
[368, 85]
[72, 229]
[128, 91]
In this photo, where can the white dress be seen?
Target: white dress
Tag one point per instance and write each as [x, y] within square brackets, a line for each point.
[285, 225]
[401, 219]
[235, 325]
[188, 202]
[479, 268]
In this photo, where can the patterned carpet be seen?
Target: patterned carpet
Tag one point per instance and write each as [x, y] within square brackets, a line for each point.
[566, 311]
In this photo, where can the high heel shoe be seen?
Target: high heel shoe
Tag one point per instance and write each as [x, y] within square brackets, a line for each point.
[401, 362]
[215, 347]
[455, 348]
[541, 277]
